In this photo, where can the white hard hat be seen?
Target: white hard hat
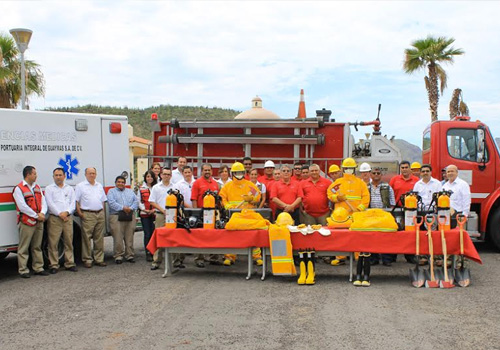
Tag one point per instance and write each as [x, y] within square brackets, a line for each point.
[365, 167]
[269, 164]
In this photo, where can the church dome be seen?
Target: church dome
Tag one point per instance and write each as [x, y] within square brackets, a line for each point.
[257, 112]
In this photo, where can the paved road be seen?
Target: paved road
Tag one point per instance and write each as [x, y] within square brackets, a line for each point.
[129, 307]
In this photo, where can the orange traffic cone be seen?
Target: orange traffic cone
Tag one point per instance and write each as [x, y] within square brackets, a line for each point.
[302, 106]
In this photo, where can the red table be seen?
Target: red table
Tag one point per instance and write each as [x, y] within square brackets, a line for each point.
[207, 241]
[401, 242]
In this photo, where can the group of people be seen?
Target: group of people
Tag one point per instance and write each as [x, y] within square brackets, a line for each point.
[300, 190]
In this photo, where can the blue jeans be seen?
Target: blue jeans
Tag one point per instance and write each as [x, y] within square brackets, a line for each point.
[148, 226]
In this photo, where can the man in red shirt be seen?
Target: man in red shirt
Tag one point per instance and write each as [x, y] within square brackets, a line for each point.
[267, 178]
[404, 182]
[285, 194]
[247, 163]
[204, 183]
[297, 172]
[314, 198]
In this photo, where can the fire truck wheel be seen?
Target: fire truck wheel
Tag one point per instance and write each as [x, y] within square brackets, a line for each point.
[494, 228]
[3, 255]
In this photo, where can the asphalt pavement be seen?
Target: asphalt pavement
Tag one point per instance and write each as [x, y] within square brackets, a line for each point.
[130, 307]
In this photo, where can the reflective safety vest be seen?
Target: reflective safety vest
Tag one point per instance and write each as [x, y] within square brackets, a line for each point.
[33, 201]
[281, 251]
[145, 193]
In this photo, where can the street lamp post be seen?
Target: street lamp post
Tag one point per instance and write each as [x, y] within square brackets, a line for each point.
[22, 37]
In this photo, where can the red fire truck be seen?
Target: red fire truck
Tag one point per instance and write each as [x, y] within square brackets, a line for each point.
[467, 144]
[471, 147]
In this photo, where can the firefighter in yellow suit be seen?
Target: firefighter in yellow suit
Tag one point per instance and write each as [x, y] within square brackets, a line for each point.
[240, 194]
[349, 192]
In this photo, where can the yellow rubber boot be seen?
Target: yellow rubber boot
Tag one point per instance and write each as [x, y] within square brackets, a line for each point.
[311, 274]
[303, 272]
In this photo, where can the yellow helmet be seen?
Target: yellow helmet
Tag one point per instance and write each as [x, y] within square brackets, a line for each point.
[333, 168]
[340, 214]
[284, 219]
[237, 166]
[349, 163]
[415, 165]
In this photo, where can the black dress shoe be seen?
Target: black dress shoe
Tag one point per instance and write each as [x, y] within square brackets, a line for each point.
[154, 267]
[131, 260]
[118, 261]
[25, 275]
[53, 271]
[72, 269]
[387, 263]
[375, 262]
[42, 273]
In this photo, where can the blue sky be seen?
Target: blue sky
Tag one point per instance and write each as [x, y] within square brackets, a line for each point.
[347, 56]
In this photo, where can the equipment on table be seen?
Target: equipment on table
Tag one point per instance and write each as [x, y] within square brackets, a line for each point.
[171, 203]
[266, 213]
[247, 219]
[462, 275]
[410, 200]
[430, 279]
[373, 220]
[209, 210]
[340, 219]
[194, 217]
[417, 276]
[281, 251]
[447, 282]
[442, 199]
[284, 219]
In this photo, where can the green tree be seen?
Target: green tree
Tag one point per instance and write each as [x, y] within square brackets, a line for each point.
[10, 74]
[428, 54]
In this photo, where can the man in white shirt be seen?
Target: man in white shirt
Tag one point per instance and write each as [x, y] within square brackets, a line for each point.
[460, 198]
[158, 196]
[177, 173]
[90, 198]
[185, 185]
[426, 186]
[31, 208]
[61, 203]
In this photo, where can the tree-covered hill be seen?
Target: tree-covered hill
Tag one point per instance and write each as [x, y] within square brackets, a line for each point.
[139, 118]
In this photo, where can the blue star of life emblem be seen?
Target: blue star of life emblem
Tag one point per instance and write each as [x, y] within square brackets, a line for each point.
[69, 165]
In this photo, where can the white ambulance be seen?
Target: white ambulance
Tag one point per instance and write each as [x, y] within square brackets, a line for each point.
[47, 140]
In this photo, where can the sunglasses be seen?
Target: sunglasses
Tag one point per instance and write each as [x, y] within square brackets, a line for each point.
[376, 173]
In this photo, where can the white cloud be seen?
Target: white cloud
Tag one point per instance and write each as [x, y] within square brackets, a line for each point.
[346, 55]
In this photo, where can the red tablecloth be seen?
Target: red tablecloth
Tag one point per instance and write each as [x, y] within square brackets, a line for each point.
[201, 238]
[402, 242]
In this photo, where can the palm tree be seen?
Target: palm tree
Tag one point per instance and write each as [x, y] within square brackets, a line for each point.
[10, 74]
[429, 53]
[457, 104]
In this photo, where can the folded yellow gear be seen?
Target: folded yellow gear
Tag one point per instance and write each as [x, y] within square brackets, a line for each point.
[247, 219]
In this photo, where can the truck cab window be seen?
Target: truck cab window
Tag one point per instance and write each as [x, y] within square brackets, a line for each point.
[462, 144]
[426, 142]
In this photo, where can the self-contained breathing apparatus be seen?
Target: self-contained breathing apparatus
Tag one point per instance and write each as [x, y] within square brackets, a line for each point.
[412, 205]
[175, 216]
[214, 213]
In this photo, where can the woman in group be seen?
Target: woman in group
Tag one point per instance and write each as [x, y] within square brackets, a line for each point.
[146, 211]
[156, 169]
[223, 175]
[254, 174]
